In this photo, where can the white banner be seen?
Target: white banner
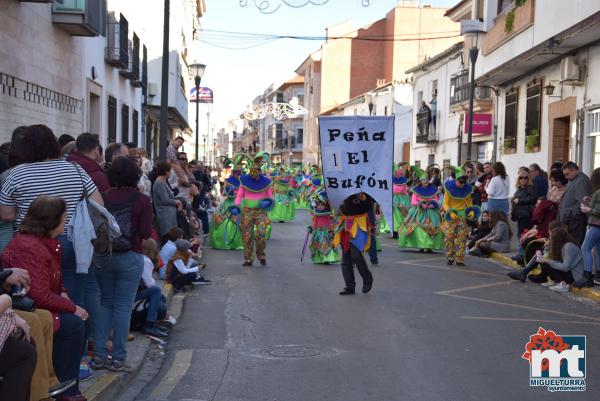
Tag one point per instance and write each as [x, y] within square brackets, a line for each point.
[357, 155]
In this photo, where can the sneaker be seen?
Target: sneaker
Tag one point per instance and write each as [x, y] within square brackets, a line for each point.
[560, 287]
[61, 387]
[515, 275]
[85, 371]
[98, 363]
[460, 263]
[597, 281]
[549, 284]
[201, 281]
[119, 366]
[155, 331]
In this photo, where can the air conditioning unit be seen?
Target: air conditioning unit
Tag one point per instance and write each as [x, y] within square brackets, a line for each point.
[152, 89]
[569, 69]
[483, 93]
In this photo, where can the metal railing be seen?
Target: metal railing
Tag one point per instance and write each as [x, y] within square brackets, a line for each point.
[427, 127]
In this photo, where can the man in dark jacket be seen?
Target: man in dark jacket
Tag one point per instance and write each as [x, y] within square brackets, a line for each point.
[86, 155]
[569, 211]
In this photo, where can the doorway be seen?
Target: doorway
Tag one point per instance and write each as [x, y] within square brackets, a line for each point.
[561, 135]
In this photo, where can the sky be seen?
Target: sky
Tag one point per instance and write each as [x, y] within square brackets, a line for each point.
[238, 76]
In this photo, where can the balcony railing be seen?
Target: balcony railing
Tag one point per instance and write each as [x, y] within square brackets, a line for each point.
[427, 127]
[460, 89]
[80, 17]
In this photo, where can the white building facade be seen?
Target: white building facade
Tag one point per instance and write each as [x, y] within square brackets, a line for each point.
[541, 57]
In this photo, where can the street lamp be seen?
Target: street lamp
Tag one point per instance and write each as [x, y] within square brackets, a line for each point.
[198, 71]
[472, 42]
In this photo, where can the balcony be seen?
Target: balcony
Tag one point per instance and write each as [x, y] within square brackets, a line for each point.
[519, 19]
[460, 91]
[427, 127]
[132, 71]
[80, 17]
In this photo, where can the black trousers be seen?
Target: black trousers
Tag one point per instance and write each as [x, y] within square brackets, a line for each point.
[181, 280]
[17, 362]
[352, 258]
[557, 275]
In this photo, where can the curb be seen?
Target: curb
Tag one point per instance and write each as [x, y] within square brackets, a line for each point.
[110, 383]
[581, 292]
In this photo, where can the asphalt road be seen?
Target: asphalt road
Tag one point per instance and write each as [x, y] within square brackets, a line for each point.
[427, 331]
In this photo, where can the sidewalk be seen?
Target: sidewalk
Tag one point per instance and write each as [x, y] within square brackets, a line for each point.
[105, 385]
[590, 293]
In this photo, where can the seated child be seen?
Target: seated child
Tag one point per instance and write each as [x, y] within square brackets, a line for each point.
[181, 268]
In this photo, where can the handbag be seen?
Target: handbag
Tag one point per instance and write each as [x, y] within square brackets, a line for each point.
[24, 304]
[8, 325]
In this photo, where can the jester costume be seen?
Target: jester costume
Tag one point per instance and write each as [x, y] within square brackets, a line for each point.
[459, 210]
[255, 198]
[422, 226]
[353, 234]
[225, 231]
[401, 199]
[285, 207]
[322, 249]
[303, 191]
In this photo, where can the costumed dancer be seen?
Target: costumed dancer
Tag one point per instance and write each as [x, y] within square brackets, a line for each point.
[353, 234]
[401, 198]
[303, 191]
[255, 198]
[285, 207]
[458, 213]
[225, 232]
[422, 226]
[322, 250]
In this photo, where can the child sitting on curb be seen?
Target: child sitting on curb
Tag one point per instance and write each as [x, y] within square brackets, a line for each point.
[181, 271]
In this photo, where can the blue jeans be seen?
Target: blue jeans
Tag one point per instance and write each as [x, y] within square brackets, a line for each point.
[118, 282]
[591, 241]
[82, 288]
[498, 204]
[68, 346]
[155, 298]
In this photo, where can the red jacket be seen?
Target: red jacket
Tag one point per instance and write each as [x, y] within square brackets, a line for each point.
[41, 258]
[92, 168]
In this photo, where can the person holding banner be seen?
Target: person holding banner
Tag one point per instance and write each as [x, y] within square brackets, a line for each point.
[422, 226]
[353, 233]
[321, 246]
[255, 198]
[224, 232]
[458, 212]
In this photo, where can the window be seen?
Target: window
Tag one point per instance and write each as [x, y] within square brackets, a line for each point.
[278, 136]
[592, 128]
[533, 117]
[301, 99]
[125, 123]
[123, 41]
[144, 70]
[511, 108]
[279, 98]
[419, 99]
[385, 111]
[504, 4]
[134, 127]
[112, 119]
[299, 136]
[431, 160]
[482, 152]
[418, 163]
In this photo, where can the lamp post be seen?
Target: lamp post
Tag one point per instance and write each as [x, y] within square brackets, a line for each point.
[198, 71]
[472, 41]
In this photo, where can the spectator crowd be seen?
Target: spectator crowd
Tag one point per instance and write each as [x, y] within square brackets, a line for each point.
[86, 237]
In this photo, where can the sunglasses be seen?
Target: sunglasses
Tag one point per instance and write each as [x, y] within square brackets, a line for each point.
[523, 178]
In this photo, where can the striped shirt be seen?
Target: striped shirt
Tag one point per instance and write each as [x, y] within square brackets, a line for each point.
[51, 177]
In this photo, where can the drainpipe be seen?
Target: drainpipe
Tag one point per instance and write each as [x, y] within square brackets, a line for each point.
[579, 129]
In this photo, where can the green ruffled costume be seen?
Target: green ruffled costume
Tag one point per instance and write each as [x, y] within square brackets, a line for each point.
[285, 207]
[422, 226]
[321, 244]
[224, 233]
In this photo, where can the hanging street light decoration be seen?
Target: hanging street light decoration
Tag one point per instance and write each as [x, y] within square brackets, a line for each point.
[271, 6]
[279, 111]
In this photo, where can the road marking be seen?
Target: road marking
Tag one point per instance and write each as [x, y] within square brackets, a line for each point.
[451, 269]
[511, 319]
[474, 287]
[517, 306]
[421, 260]
[180, 366]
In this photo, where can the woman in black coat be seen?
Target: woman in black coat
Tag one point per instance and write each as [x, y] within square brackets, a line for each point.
[523, 203]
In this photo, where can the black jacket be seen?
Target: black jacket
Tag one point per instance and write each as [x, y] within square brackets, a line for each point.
[527, 199]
